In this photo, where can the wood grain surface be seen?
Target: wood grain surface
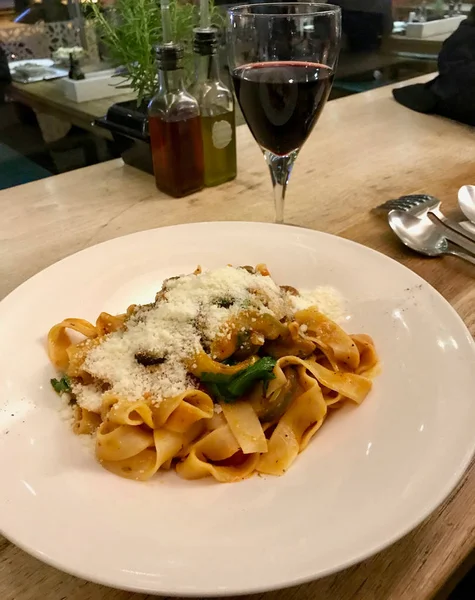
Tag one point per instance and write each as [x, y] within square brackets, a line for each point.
[47, 97]
[431, 45]
[365, 150]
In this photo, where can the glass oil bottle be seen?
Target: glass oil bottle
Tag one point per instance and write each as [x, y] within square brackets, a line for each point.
[216, 105]
[175, 128]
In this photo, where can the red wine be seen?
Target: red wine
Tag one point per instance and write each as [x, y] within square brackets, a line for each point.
[281, 101]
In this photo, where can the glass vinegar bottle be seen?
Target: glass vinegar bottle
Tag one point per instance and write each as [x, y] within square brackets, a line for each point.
[216, 104]
[175, 128]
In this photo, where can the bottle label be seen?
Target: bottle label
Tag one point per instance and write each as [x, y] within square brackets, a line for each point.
[222, 134]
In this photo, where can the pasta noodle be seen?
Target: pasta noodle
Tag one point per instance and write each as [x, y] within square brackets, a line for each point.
[225, 374]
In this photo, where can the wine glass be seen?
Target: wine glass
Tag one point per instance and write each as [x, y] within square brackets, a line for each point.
[282, 58]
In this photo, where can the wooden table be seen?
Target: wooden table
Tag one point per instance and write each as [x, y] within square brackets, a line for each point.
[428, 46]
[47, 97]
[366, 149]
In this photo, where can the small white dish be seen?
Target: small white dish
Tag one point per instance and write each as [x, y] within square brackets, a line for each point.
[96, 85]
[434, 28]
[369, 476]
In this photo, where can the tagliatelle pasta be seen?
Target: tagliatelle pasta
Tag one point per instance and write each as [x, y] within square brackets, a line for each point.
[225, 374]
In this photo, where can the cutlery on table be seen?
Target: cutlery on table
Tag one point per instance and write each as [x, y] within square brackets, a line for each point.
[424, 205]
[424, 236]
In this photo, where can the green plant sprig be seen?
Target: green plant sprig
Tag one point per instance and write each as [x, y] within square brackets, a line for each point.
[130, 30]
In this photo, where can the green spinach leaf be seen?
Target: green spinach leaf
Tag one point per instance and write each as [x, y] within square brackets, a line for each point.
[62, 385]
[229, 388]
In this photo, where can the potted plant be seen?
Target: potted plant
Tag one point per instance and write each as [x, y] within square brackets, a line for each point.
[129, 30]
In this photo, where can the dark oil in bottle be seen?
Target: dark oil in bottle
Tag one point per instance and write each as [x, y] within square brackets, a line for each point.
[177, 153]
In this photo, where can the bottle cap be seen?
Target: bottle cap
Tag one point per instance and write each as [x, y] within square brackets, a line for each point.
[205, 41]
[169, 56]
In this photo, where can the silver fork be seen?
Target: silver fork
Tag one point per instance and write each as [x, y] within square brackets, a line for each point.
[422, 205]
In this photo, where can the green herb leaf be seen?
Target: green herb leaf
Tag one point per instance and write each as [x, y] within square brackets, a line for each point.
[229, 388]
[219, 378]
[131, 28]
[62, 385]
[262, 370]
[215, 392]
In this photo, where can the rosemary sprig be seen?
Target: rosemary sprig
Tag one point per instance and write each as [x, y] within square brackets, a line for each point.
[131, 28]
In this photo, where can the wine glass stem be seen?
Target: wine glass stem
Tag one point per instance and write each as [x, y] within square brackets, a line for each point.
[280, 168]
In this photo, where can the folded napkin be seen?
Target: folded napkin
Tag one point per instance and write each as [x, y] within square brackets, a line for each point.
[32, 72]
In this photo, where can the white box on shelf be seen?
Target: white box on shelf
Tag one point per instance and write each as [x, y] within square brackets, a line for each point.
[101, 84]
[432, 28]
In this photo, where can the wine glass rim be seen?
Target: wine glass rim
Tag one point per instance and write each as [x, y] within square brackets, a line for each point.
[322, 9]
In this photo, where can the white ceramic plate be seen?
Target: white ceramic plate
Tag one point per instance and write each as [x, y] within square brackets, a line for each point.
[370, 475]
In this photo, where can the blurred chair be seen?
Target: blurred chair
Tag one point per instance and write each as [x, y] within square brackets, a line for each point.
[20, 42]
[40, 40]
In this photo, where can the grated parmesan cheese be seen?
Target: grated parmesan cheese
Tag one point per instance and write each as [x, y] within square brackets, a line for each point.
[87, 396]
[325, 298]
[66, 411]
[189, 312]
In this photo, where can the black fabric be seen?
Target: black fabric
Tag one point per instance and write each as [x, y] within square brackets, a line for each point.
[452, 93]
[5, 77]
[363, 30]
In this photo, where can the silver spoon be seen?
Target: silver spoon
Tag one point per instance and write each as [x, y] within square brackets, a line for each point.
[467, 205]
[423, 236]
